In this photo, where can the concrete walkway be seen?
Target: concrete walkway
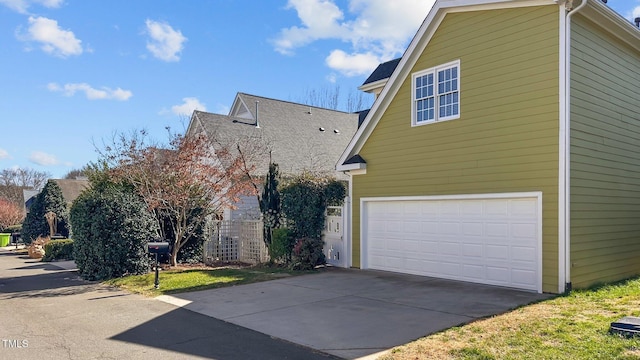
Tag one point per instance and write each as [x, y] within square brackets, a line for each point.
[352, 313]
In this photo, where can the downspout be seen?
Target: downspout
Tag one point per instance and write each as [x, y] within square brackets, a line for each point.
[565, 133]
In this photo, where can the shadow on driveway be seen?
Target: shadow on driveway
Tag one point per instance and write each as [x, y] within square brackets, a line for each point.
[191, 333]
[60, 283]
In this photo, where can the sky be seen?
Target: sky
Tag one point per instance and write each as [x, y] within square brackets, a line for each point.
[75, 72]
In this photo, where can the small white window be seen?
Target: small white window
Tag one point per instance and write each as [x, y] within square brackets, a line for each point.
[436, 94]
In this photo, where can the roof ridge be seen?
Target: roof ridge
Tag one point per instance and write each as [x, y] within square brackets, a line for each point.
[295, 103]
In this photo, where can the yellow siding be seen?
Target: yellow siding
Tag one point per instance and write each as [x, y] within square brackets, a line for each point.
[506, 139]
[605, 157]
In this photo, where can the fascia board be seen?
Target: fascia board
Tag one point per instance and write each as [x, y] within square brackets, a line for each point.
[351, 167]
[413, 52]
[373, 85]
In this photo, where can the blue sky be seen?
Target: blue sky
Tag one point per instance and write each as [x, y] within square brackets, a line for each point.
[74, 72]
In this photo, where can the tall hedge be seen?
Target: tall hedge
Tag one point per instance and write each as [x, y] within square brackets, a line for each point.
[111, 227]
[49, 199]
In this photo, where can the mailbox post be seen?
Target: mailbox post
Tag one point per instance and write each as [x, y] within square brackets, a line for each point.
[158, 247]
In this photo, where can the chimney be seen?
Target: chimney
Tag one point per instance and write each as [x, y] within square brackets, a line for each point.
[637, 20]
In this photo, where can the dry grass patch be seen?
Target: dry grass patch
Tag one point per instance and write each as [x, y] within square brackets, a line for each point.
[566, 327]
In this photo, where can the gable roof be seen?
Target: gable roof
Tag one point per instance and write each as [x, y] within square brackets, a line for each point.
[382, 72]
[595, 9]
[71, 188]
[298, 137]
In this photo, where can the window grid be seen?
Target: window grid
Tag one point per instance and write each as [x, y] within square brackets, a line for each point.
[425, 103]
[448, 92]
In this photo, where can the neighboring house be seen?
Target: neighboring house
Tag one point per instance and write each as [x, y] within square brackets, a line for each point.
[504, 149]
[295, 136]
[71, 189]
[29, 196]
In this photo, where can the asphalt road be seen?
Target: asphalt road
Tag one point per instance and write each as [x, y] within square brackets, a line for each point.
[50, 313]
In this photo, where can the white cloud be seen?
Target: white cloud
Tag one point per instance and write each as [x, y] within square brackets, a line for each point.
[377, 30]
[4, 154]
[42, 158]
[635, 13]
[53, 39]
[186, 108]
[165, 43]
[22, 6]
[352, 64]
[320, 20]
[91, 93]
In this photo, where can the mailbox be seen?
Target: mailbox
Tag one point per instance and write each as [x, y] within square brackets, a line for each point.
[160, 247]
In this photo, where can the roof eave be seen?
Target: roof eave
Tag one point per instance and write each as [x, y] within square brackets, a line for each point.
[351, 167]
[369, 87]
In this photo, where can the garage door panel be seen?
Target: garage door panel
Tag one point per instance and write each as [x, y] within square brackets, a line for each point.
[497, 229]
[497, 252]
[473, 250]
[493, 241]
[497, 208]
[523, 230]
[472, 229]
[520, 253]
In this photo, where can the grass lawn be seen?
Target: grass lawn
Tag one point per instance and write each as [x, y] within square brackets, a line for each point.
[181, 280]
[566, 327]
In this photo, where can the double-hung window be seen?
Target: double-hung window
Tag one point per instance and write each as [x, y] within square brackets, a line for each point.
[436, 94]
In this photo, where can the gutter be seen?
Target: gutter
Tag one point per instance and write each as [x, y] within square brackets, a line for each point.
[565, 139]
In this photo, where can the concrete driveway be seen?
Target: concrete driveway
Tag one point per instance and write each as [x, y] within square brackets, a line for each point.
[48, 312]
[352, 313]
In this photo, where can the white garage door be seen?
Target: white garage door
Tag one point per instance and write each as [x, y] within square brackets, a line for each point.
[485, 240]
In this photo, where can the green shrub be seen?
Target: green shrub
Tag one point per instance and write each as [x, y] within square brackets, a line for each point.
[49, 199]
[304, 201]
[111, 226]
[281, 245]
[307, 254]
[58, 250]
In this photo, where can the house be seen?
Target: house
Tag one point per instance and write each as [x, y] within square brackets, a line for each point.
[71, 189]
[504, 149]
[297, 137]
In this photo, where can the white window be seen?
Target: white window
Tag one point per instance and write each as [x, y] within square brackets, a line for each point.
[436, 94]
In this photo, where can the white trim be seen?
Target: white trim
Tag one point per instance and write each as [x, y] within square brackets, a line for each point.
[373, 85]
[516, 195]
[562, 160]
[529, 194]
[351, 167]
[349, 229]
[565, 149]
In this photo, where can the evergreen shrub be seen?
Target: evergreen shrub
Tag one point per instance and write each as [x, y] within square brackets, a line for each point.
[111, 228]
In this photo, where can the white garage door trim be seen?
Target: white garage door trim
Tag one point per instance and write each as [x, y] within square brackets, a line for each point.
[537, 196]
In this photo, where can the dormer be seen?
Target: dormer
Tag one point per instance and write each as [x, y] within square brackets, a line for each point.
[379, 77]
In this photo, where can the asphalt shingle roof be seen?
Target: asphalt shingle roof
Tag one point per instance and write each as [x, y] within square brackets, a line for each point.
[300, 137]
[383, 71]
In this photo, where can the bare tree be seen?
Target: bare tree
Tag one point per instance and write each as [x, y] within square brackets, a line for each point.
[75, 173]
[13, 181]
[10, 214]
[330, 98]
